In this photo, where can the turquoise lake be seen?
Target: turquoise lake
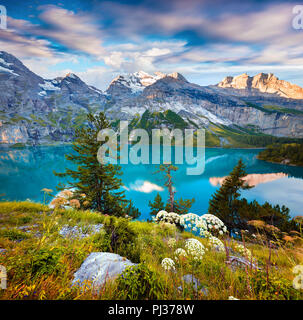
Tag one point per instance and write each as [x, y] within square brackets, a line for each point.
[24, 172]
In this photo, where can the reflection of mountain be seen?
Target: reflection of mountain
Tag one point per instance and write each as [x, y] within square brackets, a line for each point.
[252, 179]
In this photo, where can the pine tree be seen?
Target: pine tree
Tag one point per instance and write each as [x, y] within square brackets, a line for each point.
[99, 182]
[225, 202]
[167, 169]
[178, 206]
[131, 211]
[157, 205]
[182, 206]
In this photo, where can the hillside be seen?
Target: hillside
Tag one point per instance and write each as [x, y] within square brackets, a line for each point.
[42, 249]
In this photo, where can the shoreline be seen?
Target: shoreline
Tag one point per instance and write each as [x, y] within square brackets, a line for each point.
[282, 164]
[13, 147]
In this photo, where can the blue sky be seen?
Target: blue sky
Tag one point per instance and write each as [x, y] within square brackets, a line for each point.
[205, 40]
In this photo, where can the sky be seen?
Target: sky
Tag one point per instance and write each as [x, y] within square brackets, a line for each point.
[205, 40]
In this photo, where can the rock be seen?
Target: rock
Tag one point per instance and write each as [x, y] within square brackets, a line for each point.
[99, 267]
[239, 262]
[194, 283]
[79, 232]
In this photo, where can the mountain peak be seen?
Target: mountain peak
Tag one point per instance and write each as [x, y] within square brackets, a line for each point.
[136, 82]
[73, 76]
[265, 83]
[177, 76]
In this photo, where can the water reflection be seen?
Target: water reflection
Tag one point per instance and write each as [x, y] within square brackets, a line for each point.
[252, 179]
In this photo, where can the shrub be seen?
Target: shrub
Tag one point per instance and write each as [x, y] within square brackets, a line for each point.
[120, 238]
[46, 261]
[138, 282]
[13, 234]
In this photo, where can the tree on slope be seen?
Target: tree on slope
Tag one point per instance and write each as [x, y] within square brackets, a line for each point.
[100, 183]
[225, 202]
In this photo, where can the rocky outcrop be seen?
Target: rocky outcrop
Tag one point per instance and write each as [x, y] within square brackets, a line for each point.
[100, 267]
[265, 83]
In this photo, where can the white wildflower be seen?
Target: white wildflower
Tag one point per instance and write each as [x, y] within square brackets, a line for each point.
[194, 248]
[168, 264]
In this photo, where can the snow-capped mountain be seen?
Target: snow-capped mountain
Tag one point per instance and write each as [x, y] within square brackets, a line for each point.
[34, 110]
[134, 83]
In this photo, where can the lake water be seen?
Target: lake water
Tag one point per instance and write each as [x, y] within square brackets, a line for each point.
[24, 172]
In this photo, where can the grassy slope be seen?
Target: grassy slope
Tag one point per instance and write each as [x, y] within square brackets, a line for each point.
[43, 267]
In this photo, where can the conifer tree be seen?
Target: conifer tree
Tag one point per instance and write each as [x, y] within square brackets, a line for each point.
[167, 169]
[157, 205]
[178, 206]
[99, 182]
[225, 202]
[182, 206]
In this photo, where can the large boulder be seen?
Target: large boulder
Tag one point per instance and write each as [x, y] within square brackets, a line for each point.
[99, 267]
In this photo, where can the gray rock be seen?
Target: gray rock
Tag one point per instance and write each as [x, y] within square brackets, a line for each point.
[99, 267]
[195, 283]
[240, 262]
[80, 232]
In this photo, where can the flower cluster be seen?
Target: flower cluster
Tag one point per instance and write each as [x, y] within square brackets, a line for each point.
[214, 225]
[66, 199]
[192, 222]
[216, 244]
[168, 217]
[194, 248]
[203, 226]
[168, 264]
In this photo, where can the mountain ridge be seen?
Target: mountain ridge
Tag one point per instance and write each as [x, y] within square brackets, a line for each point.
[265, 83]
[34, 110]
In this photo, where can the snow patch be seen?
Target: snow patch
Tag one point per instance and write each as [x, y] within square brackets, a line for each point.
[133, 110]
[42, 93]
[95, 89]
[2, 61]
[49, 85]
[2, 69]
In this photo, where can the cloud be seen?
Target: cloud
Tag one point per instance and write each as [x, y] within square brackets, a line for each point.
[99, 77]
[75, 31]
[201, 39]
[115, 59]
[145, 186]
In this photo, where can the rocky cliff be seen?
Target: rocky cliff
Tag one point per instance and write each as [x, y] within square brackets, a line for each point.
[265, 83]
